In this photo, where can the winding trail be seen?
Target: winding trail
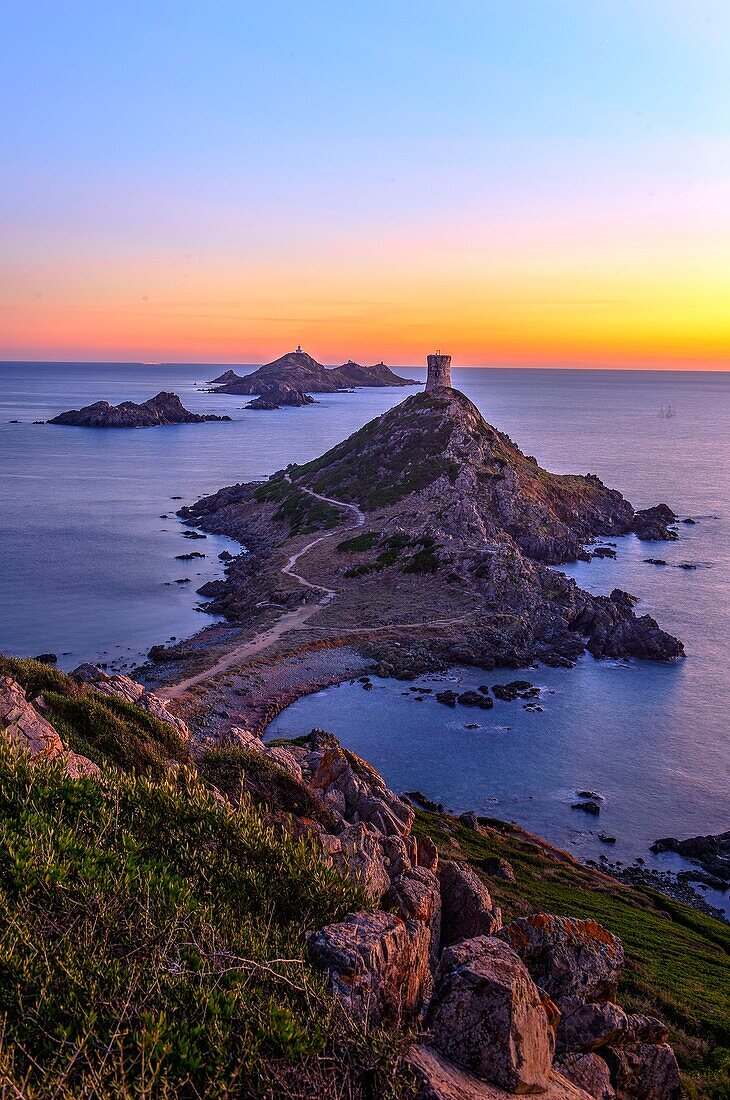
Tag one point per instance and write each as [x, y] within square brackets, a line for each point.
[292, 620]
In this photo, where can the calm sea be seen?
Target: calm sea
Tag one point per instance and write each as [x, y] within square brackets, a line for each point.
[89, 571]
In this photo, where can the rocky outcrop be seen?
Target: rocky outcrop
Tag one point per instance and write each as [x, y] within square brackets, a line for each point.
[487, 1016]
[712, 853]
[24, 727]
[351, 786]
[652, 524]
[571, 959]
[123, 687]
[164, 409]
[526, 1011]
[375, 964]
[300, 371]
[466, 904]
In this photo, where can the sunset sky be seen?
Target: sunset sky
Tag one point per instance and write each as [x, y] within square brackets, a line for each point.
[520, 182]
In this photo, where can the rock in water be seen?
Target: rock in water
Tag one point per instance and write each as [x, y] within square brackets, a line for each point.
[165, 408]
[278, 394]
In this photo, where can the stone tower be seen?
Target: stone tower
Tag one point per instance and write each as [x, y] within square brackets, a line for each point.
[439, 372]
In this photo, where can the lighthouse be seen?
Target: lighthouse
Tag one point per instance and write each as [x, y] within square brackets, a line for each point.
[439, 372]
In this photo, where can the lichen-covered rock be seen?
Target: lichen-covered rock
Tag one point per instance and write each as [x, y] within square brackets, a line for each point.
[466, 904]
[377, 965]
[437, 1078]
[359, 793]
[647, 1071]
[589, 1072]
[358, 853]
[486, 1015]
[570, 958]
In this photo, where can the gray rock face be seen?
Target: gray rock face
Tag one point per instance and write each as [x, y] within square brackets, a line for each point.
[571, 959]
[589, 1072]
[644, 1072]
[467, 908]
[486, 1015]
[353, 788]
[375, 962]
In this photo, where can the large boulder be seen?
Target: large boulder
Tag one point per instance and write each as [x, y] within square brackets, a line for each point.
[358, 792]
[377, 964]
[571, 959]
[589, 1026]
[436, 1078]
[487, 1016]
[647, 1071]
[466, 904]
[589, 1072]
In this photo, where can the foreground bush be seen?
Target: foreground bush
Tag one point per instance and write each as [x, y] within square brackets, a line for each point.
[152, 945]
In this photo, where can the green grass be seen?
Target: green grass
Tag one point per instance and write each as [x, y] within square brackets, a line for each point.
[239, 772]
[359, 544]
[677, 959]
[152, 944]
[303, 512]
[106, 729]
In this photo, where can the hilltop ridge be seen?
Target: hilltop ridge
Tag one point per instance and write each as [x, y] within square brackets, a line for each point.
[469, 479]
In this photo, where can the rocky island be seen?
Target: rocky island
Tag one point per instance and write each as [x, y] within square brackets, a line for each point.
[425, 539]
[165, 408]
[300, 372]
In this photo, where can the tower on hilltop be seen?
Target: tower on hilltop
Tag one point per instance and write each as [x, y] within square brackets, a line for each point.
[439, 372]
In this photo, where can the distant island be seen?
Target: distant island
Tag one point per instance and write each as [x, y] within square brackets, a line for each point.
[165, 408]
[290, 377]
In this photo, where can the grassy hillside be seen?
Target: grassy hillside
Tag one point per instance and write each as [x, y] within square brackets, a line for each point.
[152, 945]
[677, 959]
[106, 729]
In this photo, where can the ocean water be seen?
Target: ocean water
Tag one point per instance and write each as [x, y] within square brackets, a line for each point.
[88, 571]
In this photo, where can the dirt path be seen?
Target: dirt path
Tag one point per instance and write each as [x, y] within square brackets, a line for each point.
[292, 620]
